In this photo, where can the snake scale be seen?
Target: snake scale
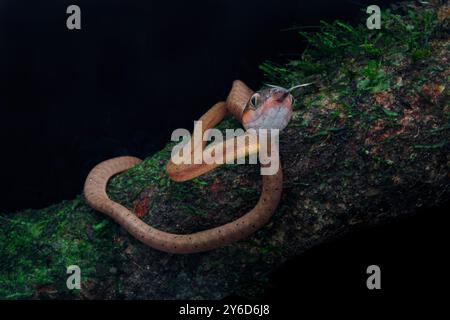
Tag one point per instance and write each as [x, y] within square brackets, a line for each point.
[270, 108]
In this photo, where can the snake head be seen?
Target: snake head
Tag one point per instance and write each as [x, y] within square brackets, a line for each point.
[270, 108]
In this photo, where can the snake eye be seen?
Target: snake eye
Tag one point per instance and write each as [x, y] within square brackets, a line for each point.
[254, 100]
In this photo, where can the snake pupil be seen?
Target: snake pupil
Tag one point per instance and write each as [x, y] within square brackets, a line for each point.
[254, 100]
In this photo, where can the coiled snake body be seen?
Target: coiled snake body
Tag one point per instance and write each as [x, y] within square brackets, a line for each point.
[269, 109]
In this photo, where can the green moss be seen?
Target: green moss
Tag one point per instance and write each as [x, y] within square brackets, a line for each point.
[332, 44]
[37, 246]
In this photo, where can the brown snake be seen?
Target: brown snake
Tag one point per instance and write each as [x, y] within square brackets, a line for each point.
[270, 108]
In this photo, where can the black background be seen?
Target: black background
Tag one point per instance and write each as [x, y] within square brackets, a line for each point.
[139, 69]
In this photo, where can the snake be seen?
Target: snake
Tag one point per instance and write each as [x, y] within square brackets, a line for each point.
[269, 108]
